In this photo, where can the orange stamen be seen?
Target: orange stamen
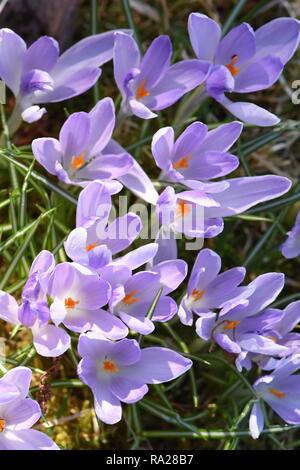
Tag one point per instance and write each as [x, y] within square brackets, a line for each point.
[231, 325]
[182, 162]
[231, 67]
[183, 208]
[110, 366]
[2, 424]
[141, 91]
[91, 246]
[129, 299]
[70, 303]
[273, 339]
[77, 162]
[277, 393]
[197, 295]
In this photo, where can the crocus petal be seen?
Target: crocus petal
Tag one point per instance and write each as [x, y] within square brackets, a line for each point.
[50, 341]
[165, 309]
[256, 421]
[240, 42]
[107, 405]
[122, 232]
[211, 164]
[162, 146]
[260, 345]
[259, 75]
[204, 325]
[19, 377]
[167, 246]
[28, 439]
[291, 317]
[220, 81]
[109, 325]
[8, 308]
[9, 393]
[22, 414]
[127, 390]
[243, 193]
[33, 113]
[158, 365]
[139, 183]
[226, 343]
[140, 324]
[47, 151]
[179, 79]
[266, 288]
[100, 134]
[126, 352]
[140, 109]
[279, 38]
[93, 344]
[184, 313]
[92, 51]
[250, 113]
[136, 258]
[42, 54]
[106, 167]
[205, 35]
[190, 140]
[73, 136]
[126, 57]
[156, 61]
[205, 269]
[12, 52]
[94, 201]
[75, 246]
[69, 85]
[223, 137]
[171, 274]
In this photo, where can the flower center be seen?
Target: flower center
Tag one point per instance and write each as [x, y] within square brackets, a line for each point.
[197, 295]
[183, 208]
[77, 162]
[182, 162]
[110, 366]
[70, 303]
[230, 325]
[231, 67]
[91, 246]
[141, 91]
[277, 393]
[2, 424]
[129, 299]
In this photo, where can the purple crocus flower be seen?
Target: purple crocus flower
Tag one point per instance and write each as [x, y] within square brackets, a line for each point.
[81, 154]
[241, 325]
[38, 75]
[199, 213]
[34, 313]
[132, 297]
[120, 371]
[280, 390]
[93, 242]
[18, 414]
[150, 84]
[291, 247]
[277, 325]
[244, 61]
[78, 295]
[196, 154]
[207, 289]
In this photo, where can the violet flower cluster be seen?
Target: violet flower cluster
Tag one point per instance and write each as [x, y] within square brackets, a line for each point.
[108, 291]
